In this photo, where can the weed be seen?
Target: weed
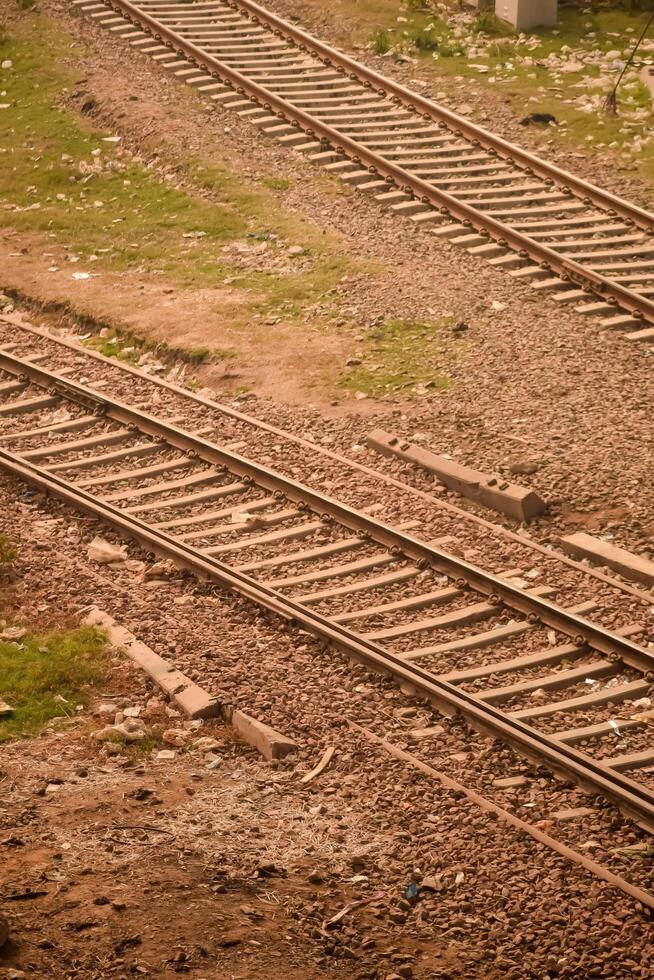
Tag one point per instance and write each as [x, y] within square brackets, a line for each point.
[45, 677]
[381, 42]
[26, 4]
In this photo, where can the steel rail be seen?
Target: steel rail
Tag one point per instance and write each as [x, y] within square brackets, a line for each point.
[428, 555]
[633, 799]
[639, 306]
[589, 193]
[233, 413]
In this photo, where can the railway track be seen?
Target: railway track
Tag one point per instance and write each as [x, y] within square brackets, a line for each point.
[560, 233]
[558, 688]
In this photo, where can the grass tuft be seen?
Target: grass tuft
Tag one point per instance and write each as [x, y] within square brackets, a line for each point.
[38, 671]
[381, 42]
[427, 39]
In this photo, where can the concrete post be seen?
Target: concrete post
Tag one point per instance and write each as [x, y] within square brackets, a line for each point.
[524, 14]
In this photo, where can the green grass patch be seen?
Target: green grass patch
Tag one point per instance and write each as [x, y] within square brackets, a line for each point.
[276, 183]
[37, 671]
[515, 67]
[64, 180]
[402, 357]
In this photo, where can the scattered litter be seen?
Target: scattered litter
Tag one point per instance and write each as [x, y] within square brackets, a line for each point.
[324, 762]
[614, 726]
[81, 275]
[176, 736]
[206, 744]
[544, 118]
[13, 633]
[105, 553]
[129, 730]
[26, 895]
[411, 892]
[244, 517]
[335, 919]
[5, 709]
[642, 703]
[645, 719]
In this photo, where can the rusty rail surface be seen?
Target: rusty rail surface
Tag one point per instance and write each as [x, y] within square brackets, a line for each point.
[633, 799]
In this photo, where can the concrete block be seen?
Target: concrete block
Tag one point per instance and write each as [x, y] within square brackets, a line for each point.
[187, 695]
[582, 545]
[525, 14]
[507, 498]
[262, 737]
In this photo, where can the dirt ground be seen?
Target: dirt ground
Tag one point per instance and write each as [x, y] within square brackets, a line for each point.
[213, 863]
[219, 865]
[525, 380]
[174, 856]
